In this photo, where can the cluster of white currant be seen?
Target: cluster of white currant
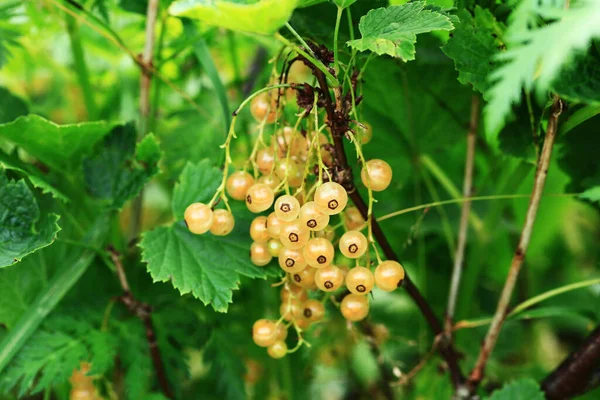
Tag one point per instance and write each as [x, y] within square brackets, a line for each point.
[297, 231]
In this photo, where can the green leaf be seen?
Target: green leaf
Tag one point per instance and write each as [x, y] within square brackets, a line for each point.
[393, 30]
[32, 174]
[8, 34]
[60, 147]
[263, 17]
[24, 229]
[522, 389]
[579, 82]
[344, 3]
[592, 194]
[115, 173]
[308, 3]
[11, 106]
[207, 266]
[226, 366]
[537, 54]
[473, 45]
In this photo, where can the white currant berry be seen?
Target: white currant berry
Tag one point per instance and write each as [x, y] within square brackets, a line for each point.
[223, 223]
[312, 217]
[380, 175]
[287, 208]
[331, 198]
[353, 244]
[198, 218]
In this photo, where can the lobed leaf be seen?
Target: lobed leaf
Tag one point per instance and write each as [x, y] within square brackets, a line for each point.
[522, 389]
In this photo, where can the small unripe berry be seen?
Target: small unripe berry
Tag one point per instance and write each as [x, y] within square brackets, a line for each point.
[287, 208]
[355, 307]
[238, 184]
[312, 217]
[264, 332]
[353, 219]
[259, 254]
[327, 233]
[258, 230]
[331, 198]
[364, 134]
[223, 223]
[360, 280]
[198, 218]
[380, 175]
[291, 261]
[294, 235]
[275, 247]
[259, 197]
[389, 275]
[292, 170]
[318, 252]
[353, 244]
[270, 180]
[329, 278]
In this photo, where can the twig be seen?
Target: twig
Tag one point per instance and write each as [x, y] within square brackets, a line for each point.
[384, 370]
[572, 377]
[146, 80]
[540, 179]
[464, 215]
[405, 378]
[144, 312]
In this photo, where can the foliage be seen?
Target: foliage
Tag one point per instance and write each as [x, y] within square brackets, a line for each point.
[80, 162]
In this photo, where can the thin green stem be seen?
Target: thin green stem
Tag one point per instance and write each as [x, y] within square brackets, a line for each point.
[81, 67]
[446, 226]
[157, 83]
[579, 117]
[336, 32]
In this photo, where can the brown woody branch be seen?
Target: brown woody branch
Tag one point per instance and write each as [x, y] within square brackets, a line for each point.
[572, 377]
[143, 311]
[511, 279]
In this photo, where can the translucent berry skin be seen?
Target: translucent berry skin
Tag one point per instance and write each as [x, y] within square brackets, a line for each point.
[293, 235]
[265, 160]
[259, 254]
[198, 218]
[360, 280]
[331, 198]
[274, 226]
[365, 134]
[258, 230]
[237, 185]
[353, 218]
[264, 106]
[270, 180]
[290, 308]
[223, 223]
[291, 261]
[312, 218]
[305, 278]
[355, 307]
[318, 252]
[297, 144]
[277, 350]
[313, 310]
[389, 275]
[303, 323]
[293, 291]
[264, 332]
[380, 175]
[327, 233]
[353, 244]
[275, 247]
[292, 169]
[287, 208]
[329, 278]
[282, 332]
[259, 197]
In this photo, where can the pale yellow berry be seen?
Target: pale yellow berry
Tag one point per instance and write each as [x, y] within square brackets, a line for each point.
[198, 218]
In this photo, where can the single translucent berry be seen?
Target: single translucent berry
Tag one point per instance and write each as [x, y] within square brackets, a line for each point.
[264, 108]
[364, 133]
[353, 244]
[331, 198]
[198, 218]
[270, 180]
[329, 278]
[313, 310]
[303, 323]
[291, 261]
[258, 230]
[264, 332]
[291, 170]
[259, 197]
[238, 184]
[389, 275]
[305, 278]
[360, 280]
[287, 208]
[318, 252]
[293, 291]
[275, 247]
[282, 332]
[293, 235]
[265, 160]
[259, 254]
[290, 309]
[355, 307]
[312, 217]
[353, 219]
[380, 175]
[223, 223]
[277, 350]
[328, 233]
[274, 226]
[296, 143]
